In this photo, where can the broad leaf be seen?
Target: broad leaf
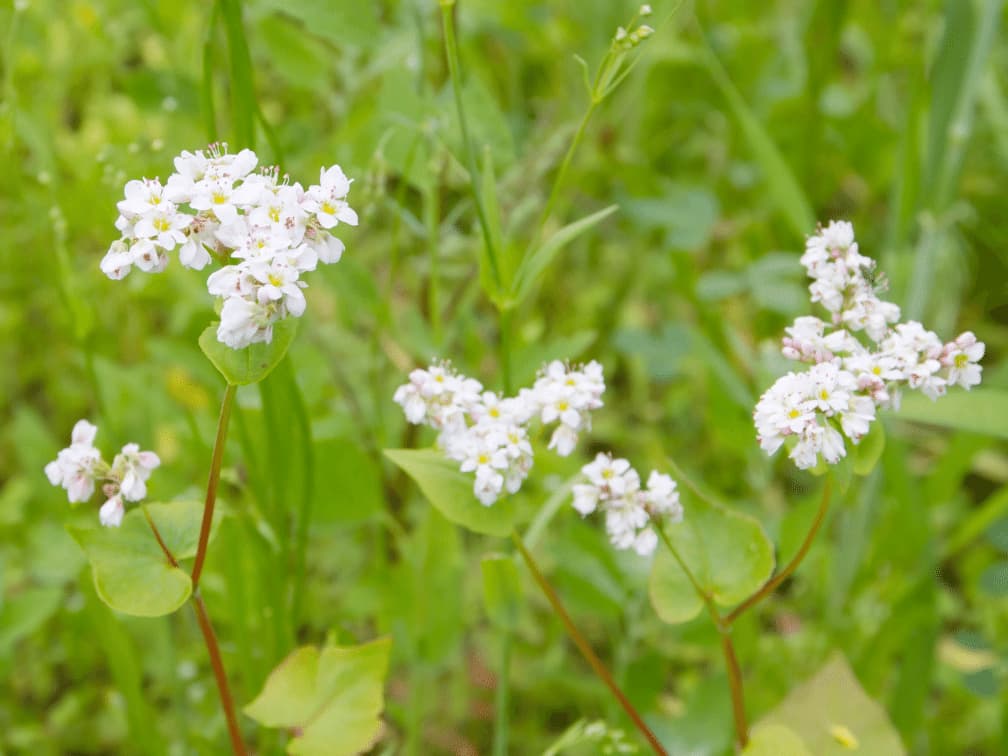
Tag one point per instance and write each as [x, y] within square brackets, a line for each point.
[536, 261]
[728, 554]
[979, 411]
[775, 740]
[501, 589]
[451, 492]
[332, 698]
[131, 572]
[241, 367]
[834, 716]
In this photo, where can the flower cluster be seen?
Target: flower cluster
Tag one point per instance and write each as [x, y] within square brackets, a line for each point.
[614, 487]
[80, 466]
[850, 376]
[487, 434]
[263, 230]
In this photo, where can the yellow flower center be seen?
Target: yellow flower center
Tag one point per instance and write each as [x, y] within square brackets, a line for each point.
[961, 361]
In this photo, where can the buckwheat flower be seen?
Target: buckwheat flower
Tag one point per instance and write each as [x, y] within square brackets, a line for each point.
[327, 199]
[77, 466]
[246, 321]
[613, 487]
[117, 261]
[486, 433]
[80, 466]
[264, 234]
[567, 395]
[961, 357]
[132, 468]
[111, 513]
[838, 397]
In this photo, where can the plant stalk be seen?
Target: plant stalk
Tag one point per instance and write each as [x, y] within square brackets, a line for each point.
[214, 479]
[223, 689]
[771, 585]
[237, 744]
[584, 647]
[452, 53]
[727, 647]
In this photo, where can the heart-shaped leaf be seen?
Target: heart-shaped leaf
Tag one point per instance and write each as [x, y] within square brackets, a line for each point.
[833, 716]
[131, 572]
[332, 697]
[241, 367]
[728, 554]
[451, 492]
[775, 740]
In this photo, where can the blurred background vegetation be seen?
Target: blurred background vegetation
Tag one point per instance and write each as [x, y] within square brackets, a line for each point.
[742, 124]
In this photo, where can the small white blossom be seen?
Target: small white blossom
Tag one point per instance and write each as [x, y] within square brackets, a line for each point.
[613, 487]
[839, 395]
[487, 434]
[80, 466]
[263, 232]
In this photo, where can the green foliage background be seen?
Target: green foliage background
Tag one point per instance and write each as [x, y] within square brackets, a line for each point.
[742, 124]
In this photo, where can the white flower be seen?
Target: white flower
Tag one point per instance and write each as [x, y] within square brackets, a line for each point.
[77, 466]
[133, 468]
[839, 395]
[245, 321]
[111, 513]
[80, 466]
[613, 487]
[961, 357]
[327, 199]
[487, 434]
[264, 233]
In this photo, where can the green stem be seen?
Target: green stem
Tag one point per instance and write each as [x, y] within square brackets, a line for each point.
[451, 52]
[504, 345]
[432, 221]
[771, 585]
[502, 696]
[727, 647]
[584, 647]
[213, 480]
[562, 171]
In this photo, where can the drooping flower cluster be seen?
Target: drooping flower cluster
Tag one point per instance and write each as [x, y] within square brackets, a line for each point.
[263, 230]
[614, 487]
[487, 434]
[850, 376]
[80, 466]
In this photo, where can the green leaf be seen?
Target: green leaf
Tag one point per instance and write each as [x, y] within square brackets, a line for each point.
[491, 210]
[833, 715]
[536, 261]
[131, 573]
[728, 554]
[983, 410]
[243, 99]
[775, 740]
[451, 491]
[241, 367]
[869, 450]
[501, 590]
[333, 698]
